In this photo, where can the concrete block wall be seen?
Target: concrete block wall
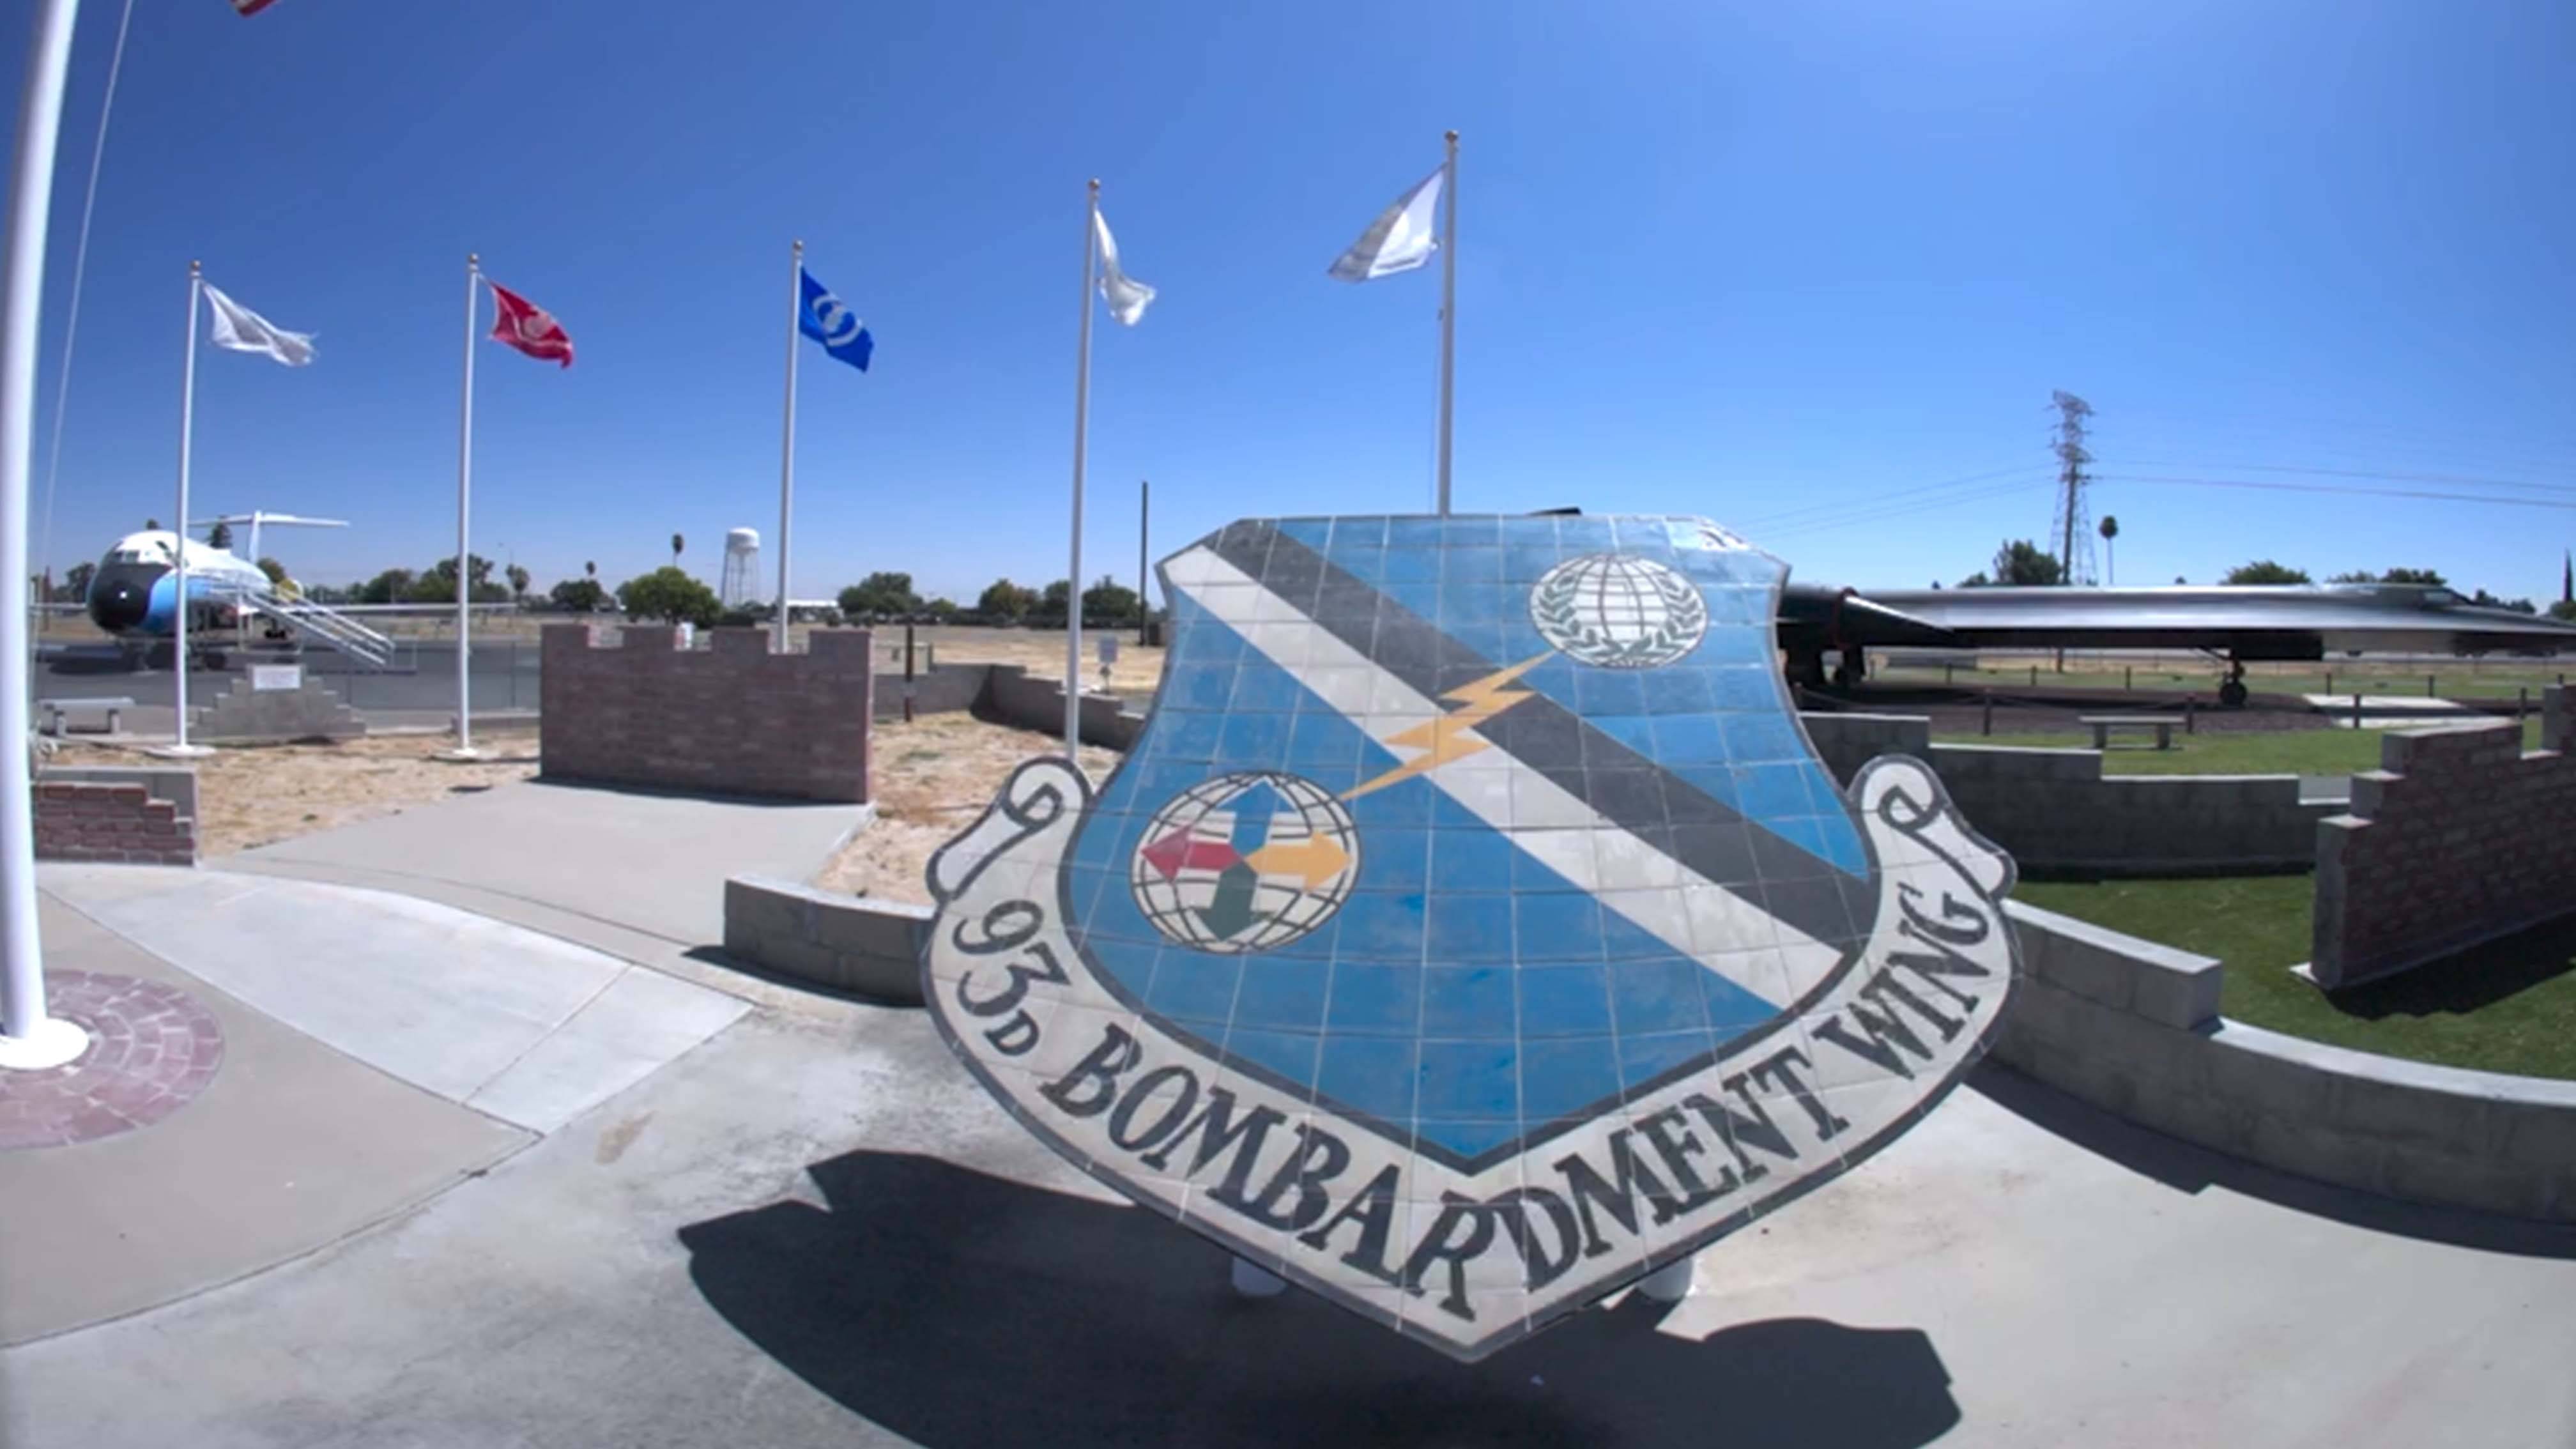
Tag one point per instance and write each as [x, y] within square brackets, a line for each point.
[308, 712]
[1038, 704]
[943, 689]
[2055, 810]
[2133, 1028]
[2459, 837]
[849, 943]
[733, 718]
[139, 817]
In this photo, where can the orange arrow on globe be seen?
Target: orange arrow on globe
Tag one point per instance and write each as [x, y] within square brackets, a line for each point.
[1315, 860]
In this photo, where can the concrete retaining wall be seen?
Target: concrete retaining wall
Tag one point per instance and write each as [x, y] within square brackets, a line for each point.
[1038, 704]
[943, 690]
[309, 712]
[101, 813]
[733, 718]
[2133, 1028]
[2055, 810]
[2459, 837]
[849, 943]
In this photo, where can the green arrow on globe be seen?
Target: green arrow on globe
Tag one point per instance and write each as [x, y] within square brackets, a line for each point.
[1230, 912]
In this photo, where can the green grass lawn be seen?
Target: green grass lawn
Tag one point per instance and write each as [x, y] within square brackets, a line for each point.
[2244, 752]
[2509, 1006]
[2462, 679]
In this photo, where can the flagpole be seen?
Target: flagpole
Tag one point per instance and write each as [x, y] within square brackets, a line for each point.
[179, 535]
[29, 1039]
[787, 439]
[1081, 424]
[464, 500]
[1448, 314]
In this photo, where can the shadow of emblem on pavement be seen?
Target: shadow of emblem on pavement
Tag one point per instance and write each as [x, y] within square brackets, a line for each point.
[959, 1309]
[1472, 929]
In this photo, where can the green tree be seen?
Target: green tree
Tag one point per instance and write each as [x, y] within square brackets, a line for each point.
[2520, 606]
[276, 571]
[2019, 563]
[1054, 604]
[75, 585]
[220, 536]
[2428, 578]
[1109, 603]
[2110, 532]
[677, 543]
[1004, 602]
[2563, 609]
[941, 611]
[670, 595]
[2265, 571]
[880, 595]
[518, 576]
[581, 596]
[438, 585]
[393, 586]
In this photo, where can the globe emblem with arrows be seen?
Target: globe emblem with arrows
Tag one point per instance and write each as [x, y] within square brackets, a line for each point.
[1245, 862]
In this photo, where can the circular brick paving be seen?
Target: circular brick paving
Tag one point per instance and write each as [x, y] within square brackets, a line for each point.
[152, 1049]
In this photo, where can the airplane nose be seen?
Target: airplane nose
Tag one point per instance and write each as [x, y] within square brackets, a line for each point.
[119, 606]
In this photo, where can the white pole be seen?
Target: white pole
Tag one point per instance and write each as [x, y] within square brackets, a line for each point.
[179, 534]
[1081, 422]
[464, 508]
[787, 440]
[1448, 315]
[28, 1038]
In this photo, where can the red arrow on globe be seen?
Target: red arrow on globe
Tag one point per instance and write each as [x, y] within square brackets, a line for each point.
[1180, 851]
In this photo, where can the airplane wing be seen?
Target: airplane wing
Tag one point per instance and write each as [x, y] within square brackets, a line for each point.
[2245, 622]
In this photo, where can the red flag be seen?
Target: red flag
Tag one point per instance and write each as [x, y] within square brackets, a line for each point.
[528, 327]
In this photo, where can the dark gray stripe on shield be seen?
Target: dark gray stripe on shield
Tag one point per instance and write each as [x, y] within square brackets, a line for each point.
[1668, 813]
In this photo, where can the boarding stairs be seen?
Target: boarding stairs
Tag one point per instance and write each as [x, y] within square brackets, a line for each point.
[316, 623]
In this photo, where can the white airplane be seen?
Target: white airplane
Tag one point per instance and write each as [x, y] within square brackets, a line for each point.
[134, 595]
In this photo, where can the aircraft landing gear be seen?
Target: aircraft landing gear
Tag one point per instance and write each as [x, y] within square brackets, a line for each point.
[1852, 670]
[2232, 692]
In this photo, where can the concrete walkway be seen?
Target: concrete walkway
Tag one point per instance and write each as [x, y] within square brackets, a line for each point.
[292, 1146]
[814, 1230]
[637, 874]
[514, 1024]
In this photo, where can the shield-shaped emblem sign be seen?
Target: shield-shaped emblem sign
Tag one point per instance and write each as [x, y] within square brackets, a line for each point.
[1472, 929]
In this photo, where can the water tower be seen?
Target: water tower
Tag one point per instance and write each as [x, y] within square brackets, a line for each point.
[741, 586]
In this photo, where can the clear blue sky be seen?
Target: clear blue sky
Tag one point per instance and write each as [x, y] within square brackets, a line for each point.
[1742, 262]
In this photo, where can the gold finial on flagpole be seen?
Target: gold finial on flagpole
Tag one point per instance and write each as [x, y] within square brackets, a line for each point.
[1453, 138]
[194, 267]
[1095, 185]
[800, 246]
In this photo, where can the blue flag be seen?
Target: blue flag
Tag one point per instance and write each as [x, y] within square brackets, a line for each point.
[827, 320]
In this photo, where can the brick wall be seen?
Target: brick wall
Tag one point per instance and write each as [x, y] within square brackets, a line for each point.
[730, 719]
[111, 821]
[2459, 837]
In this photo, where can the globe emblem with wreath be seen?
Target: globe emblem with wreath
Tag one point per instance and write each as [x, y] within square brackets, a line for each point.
[1245, 862]
[1618, 612]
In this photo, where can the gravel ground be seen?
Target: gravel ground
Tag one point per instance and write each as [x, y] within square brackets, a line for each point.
[933, 776]
[253, 795]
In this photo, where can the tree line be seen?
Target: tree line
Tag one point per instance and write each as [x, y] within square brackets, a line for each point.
[2018, 562]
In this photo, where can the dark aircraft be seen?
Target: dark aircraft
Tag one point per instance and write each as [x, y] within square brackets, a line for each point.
[2232, 625]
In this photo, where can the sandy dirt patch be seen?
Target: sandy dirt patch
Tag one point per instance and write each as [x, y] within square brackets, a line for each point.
[932, 778]
[251, 796]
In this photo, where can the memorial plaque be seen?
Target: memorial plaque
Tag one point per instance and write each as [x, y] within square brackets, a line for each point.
[276, 676]
[1472, 928]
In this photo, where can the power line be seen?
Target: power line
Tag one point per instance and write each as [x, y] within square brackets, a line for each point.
[1865, 506]
[2394, 477]
[2339, 489]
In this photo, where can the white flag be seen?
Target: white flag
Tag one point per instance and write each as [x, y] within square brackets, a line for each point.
[1403, 237]
[240, 329]
[1127, 297]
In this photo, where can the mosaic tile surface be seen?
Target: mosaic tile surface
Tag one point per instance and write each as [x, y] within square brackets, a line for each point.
[1473, 928]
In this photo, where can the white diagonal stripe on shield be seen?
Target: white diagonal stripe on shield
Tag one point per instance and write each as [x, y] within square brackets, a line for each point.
[1693, 915]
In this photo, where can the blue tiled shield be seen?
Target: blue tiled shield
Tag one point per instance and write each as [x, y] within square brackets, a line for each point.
[1472, 920]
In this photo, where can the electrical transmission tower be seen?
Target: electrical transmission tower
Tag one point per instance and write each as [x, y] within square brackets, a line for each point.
[2073, 528]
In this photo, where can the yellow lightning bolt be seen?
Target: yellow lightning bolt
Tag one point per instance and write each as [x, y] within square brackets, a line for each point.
[1445, 738]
